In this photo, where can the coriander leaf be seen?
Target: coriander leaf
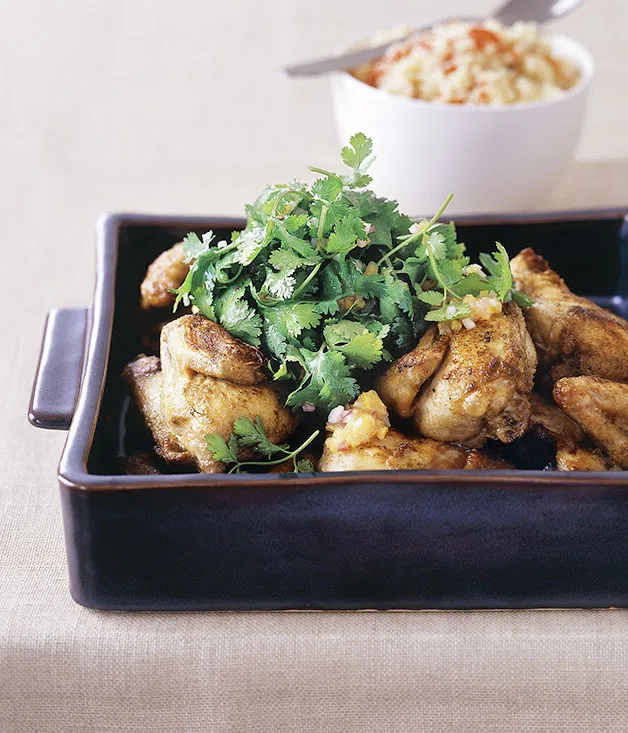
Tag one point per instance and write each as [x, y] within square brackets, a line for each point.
[252, 434]
[450, 272]
[220, 449]
[345, 235]
[399, 293]
[342, 332]
[499, 267]
[328, 381]
[292, 318]
[436, 242]
[328, 188]
[300, 246]
[449, 312]
[201, 275]
[471, 284]
[361, 148]
[202, 298]
[521, 299]
[415, 270]
[250, 243]
[405, 336]
[235, 316]
[304, 465]
[295, 222]
[286, 260]
[195, 247]
[332, 290]
[275, 340]
[431, 297]
[280, 285]
[454, 249]
[364, 350]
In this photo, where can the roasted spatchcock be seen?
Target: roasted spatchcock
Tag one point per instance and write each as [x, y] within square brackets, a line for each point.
[449, 403]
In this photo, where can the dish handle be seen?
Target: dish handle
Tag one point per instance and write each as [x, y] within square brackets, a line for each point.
[58, 375]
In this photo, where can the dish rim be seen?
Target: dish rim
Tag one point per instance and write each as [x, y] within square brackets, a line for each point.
[73, 472]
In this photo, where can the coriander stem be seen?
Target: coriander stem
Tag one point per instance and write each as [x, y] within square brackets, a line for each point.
[321, 224]
[276, 462]
[229, 280]
[403, 244]
[441, 211]
[414, 237]
[434, 264]
[302, 194]
[307, 281]
[323, 172]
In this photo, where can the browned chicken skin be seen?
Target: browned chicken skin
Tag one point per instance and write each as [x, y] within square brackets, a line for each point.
[480, 385]
[145, 380]
[574, 450]
[573, 335]
[207, 379]
[601, 408]
[362, 440]
[400, 384]
[165, 273]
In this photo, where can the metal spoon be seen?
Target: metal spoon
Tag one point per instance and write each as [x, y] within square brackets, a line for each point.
[535, 11]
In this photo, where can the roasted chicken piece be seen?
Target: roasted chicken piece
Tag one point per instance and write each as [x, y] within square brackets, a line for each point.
[574, 450]
[469, 386]
[208, 378]
[573, 335]
[601, 408]
[165, 273]
[145, 380]
[361, 439]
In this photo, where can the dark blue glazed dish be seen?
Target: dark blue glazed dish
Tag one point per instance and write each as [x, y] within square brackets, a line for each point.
[381, 540]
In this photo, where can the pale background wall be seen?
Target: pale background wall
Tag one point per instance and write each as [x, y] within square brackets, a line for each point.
[179, 106]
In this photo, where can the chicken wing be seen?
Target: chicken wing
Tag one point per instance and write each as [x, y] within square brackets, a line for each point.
[601, 408]
[165, 273]
[573, 335]
[361, 439]
[480, 385]
[207, 379]
[574, 450]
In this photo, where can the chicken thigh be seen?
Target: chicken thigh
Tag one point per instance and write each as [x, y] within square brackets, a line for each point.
[573, 335]
[207, 379]
[480, 382]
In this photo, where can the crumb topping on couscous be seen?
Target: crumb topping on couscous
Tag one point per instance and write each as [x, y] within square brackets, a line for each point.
[472, 63]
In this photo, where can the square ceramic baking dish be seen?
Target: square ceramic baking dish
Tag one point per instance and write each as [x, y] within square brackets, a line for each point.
[380, 540]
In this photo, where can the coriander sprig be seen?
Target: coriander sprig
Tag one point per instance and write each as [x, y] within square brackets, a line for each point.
[251, 434]
[329, 280]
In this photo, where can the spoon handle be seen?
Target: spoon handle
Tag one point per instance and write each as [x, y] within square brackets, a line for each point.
[355, 58]
[336, 63]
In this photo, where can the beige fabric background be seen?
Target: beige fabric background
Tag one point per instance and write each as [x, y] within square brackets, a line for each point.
[177, 107]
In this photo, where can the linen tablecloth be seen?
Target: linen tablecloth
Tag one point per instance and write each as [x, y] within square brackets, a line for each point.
[179, 108]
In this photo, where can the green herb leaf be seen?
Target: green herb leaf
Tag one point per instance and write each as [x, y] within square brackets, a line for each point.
[431, 297]
[226, 452]
[194, 247]
[328, 381]
[237, 317]
[252, 434]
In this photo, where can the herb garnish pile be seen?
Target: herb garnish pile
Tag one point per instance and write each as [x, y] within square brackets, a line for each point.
[328, 280]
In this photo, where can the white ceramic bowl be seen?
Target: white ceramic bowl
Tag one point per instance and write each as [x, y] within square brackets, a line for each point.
[493, 159]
